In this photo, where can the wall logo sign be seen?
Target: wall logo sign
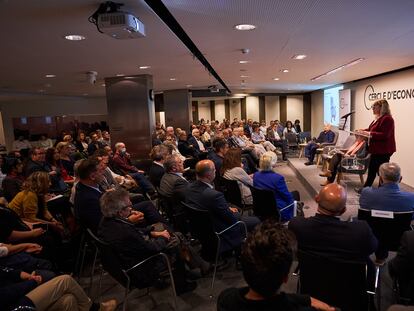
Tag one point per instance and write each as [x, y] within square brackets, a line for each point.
[371, 95]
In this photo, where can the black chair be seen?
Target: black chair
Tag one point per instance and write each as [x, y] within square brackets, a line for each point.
[264, 204]
[232, 193]
[292, 141]
[202, 228]
[174, 212]
[339, 283]
[388, 227]
[112, 264]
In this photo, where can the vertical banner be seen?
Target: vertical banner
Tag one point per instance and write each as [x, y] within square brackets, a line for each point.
[344, 108]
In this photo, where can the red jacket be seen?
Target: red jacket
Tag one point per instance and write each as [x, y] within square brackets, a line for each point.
[382, 139]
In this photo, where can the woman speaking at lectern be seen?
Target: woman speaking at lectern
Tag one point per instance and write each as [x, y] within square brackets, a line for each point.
[381, 139]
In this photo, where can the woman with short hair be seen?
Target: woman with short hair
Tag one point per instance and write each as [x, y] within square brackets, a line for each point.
[266, 178]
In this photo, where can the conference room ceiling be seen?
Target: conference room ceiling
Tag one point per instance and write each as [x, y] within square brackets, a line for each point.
[330, 32]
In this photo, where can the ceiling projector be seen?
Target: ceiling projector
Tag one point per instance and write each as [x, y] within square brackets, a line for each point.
[120, 25]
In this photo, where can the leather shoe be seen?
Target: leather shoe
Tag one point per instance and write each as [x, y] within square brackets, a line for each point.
[309, 163]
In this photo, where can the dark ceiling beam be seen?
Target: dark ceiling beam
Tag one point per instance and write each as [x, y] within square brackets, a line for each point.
[165, 15]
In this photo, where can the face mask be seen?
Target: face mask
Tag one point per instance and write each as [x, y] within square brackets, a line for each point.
[123, 150]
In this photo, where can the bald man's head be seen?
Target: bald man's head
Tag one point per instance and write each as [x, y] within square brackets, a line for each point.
[332, 200]
[205, 170]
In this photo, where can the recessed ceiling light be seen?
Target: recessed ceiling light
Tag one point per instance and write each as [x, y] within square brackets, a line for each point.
[244, 27]
[172, 79]
[188, 85]
[144, 67]
[75, 37]
[276, 79]
[244, 61]
[50, 76]
[285, 70]
[351, 63]
[243, 76]
[299, 56]
[103, 84]
[120, 75]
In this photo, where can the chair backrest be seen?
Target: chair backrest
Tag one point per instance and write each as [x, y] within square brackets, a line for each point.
[264, 204]
[388, 227]
[305, 136]
[231, 191]
[291, 139]
[338, 283]
[335, 137]
[202, 228]
[144, 165]
[109, 259]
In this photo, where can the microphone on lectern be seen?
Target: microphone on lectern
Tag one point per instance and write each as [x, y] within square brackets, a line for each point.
[347, 115]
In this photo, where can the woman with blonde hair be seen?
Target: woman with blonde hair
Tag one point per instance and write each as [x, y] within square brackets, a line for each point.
[381, 135]
[268, 179]
[30, 203]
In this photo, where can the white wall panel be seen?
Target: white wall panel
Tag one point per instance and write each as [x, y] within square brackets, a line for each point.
[252, 108]
[272, 108]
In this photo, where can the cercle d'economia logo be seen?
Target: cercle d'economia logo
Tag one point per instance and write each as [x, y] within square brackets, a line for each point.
[368, 96]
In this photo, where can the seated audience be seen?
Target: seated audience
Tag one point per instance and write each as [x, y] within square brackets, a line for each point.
[259, 138]
[401, 266]
[326, 136]
[387, 197]
[65, 161]
[157, 155]
[95, 144]
[232, 169]
[30, 204]
[134, 244]
[52, 165]
[36, 162]
[173, 183]
[184, 146]
[88, 192]
[220, 147]
[326, 235]
[268, 179]
[266, 259]
[13, 181]
[196, 142]
[357, 150]
[274, 137]
[201, 194]
[289, 128]
[122, 162]
[106, 138]
[21, 144]
[297, 127]
[19, 289]
[45, 142]
[81, 143]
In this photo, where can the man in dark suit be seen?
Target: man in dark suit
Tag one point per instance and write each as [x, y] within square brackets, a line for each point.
[401, 266]
[88, 194]
[326, 235]
[156, 171]
[173, 184]
[202, 195]
[185, 148]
